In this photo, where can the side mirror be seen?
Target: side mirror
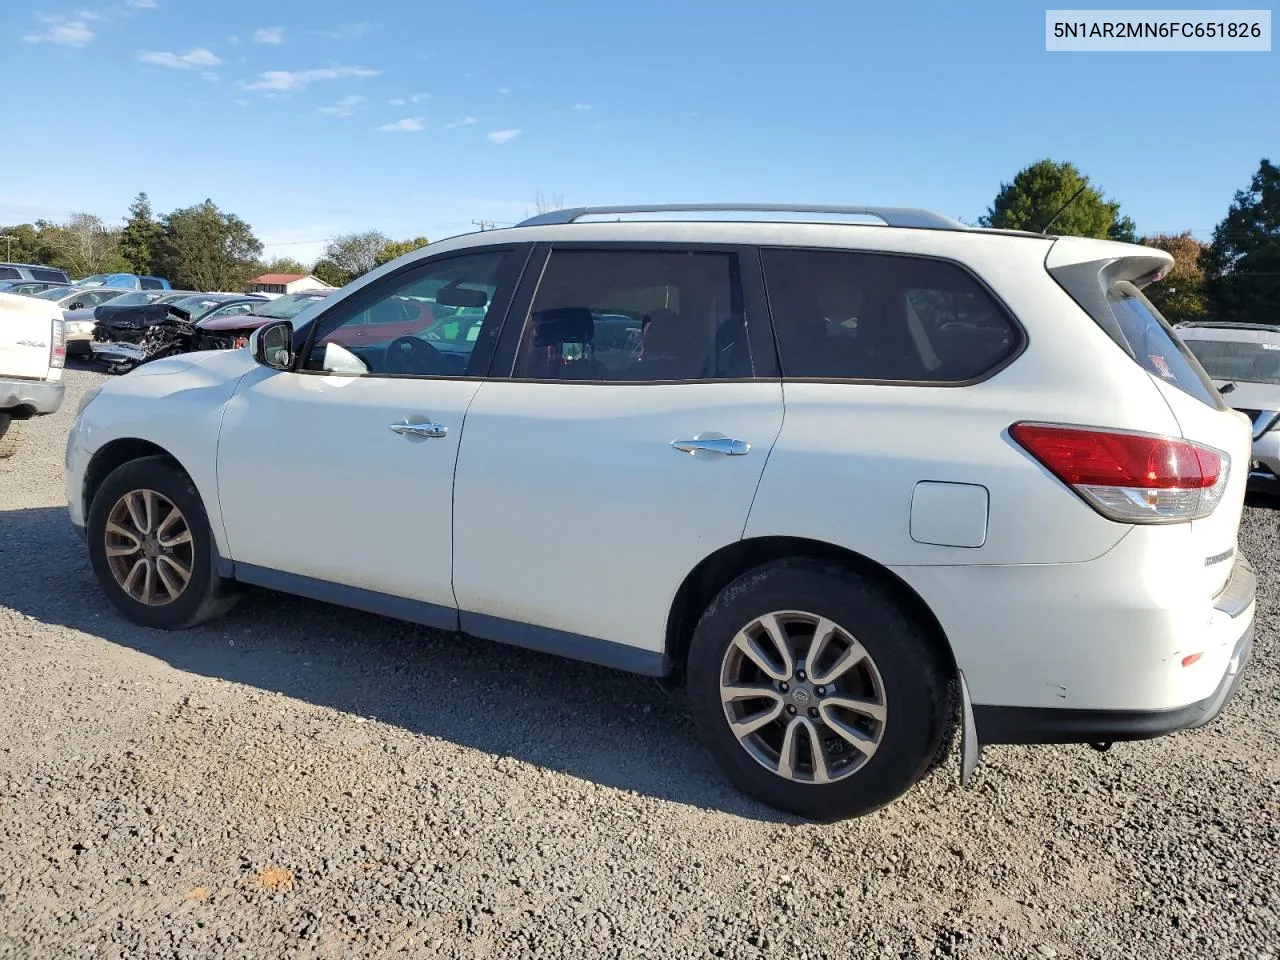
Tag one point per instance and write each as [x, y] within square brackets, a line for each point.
[272, 345]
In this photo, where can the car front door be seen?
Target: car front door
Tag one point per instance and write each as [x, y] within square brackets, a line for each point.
[335, 479]
[595, 477]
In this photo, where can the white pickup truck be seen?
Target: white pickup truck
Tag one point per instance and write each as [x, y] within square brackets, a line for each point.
[33, 351]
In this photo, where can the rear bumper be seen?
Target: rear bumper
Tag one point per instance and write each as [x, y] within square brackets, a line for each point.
[1027, 725]
[1046, 725]
[39, 396]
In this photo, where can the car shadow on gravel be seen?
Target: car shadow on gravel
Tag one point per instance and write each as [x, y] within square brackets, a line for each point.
[609, 727]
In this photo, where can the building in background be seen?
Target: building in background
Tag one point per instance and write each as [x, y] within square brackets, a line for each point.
[285, 283]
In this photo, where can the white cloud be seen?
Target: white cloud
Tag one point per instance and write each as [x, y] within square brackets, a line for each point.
[233, 39]
[407, 125]
[196, 57]
[502, 136]
[241, 103]
[210, 75]
[347, 31]
[343, 108]
[73, 31]
[397, 102]
[582, 107]
[460, 122]
[291, 81]
[269, 35]
[504, 89]
[141, 4]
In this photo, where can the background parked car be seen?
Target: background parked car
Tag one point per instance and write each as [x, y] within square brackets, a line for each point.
[1244, 361]
[130, 281]
[81, 322]
[236, 325]
[32, 271]
[28, 288]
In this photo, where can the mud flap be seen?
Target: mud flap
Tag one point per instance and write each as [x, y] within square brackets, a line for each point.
[970, 748]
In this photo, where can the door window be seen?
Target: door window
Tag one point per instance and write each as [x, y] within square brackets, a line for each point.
[868, 316]
[634, 316]
[425, 322]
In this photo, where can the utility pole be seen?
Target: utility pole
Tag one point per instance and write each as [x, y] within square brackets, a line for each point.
[483, 224]
[8, 248]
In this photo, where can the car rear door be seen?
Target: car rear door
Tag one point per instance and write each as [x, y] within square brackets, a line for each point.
[590, 485]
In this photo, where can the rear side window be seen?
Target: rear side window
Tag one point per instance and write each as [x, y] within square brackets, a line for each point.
[10, 273]
[870, 316]
[48, 276]
[1153, 344]
[151, 283]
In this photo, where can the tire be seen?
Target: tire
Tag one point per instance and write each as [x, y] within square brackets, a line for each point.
[902, 674]
[10, 435]
[204, 595]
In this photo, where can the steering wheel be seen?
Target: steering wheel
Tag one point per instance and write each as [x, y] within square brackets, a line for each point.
[413, 355]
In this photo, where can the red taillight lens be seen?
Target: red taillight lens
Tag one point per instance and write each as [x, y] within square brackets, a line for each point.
[1131, 477]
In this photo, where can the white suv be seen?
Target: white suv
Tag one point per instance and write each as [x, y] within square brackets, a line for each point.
[853, 481]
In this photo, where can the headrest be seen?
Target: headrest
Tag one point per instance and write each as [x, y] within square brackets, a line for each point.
[563, 325]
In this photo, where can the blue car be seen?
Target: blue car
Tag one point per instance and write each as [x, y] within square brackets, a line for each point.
[130, 281]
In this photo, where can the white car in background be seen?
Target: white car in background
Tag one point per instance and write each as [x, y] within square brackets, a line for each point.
[851, 481]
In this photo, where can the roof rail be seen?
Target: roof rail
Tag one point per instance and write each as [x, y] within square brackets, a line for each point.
[889, 216]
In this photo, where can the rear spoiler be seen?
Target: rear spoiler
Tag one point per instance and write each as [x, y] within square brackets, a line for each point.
[1087, 269]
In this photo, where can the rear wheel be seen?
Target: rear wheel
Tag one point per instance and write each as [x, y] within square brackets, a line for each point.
[10, 435]
[151, 547]
[815, 692]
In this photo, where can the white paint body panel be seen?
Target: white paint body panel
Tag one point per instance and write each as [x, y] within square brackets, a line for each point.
[313, 482]
[572, 510]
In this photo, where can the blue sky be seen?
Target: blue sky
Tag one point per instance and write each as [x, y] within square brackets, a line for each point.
[318, 117]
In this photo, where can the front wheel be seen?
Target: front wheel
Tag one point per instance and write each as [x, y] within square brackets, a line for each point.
[816, 692]
[151, 547]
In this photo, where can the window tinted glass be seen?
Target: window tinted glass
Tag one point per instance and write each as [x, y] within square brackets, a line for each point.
[10, 273]
[49, 276]
[426, 323]
[636, 315]
[1154, 345]
[1253, 361]
[872, 316]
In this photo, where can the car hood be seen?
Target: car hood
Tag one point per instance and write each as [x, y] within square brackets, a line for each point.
[1251, 396]
[245, 321]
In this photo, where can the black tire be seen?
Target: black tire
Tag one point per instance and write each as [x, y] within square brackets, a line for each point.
[206, 595]
[10, 435]
[915, 683]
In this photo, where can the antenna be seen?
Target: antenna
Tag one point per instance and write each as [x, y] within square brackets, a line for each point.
[1063, 208]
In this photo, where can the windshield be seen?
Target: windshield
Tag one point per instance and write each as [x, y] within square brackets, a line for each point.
[131, 299]
[54, 293]
[97, 280]
[197, 307]
[286, 307]
[1250, 361]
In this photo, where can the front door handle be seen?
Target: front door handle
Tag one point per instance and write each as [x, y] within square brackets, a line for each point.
[722, 445]
[427, 429]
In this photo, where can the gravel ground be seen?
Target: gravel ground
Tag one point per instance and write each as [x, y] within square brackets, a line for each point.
[300, 780]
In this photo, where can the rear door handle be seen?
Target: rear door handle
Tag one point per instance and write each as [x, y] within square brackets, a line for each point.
[427, 429]
[722, 445]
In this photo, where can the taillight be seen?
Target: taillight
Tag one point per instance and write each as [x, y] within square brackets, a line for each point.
[1130, 477]
[58, 348]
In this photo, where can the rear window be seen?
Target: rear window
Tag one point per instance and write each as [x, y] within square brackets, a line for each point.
[10, 273]
[870, 316]
[48, 276]
[1152, 343]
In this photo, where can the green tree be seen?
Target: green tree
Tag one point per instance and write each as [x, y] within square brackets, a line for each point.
[1243, 261]
[353, 254]
[82, 246]
[1180, 296]
[398, 248]
[1042, 189]
[20, 243]
[284, 265]
[140, 234]
[330, 273]
[203, 248]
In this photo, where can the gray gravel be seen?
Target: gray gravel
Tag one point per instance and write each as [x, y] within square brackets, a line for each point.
[300, 780]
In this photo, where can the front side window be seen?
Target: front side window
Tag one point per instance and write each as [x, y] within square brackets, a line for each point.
[635, 316]
[870, 316]
[424, 322]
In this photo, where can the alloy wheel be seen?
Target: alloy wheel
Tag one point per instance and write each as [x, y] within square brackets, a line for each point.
[149, 547]
[803, 697]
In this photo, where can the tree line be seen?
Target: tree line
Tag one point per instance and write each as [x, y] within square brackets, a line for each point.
[1235, 276]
